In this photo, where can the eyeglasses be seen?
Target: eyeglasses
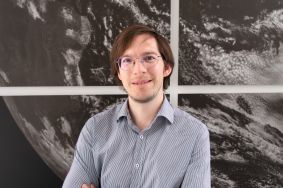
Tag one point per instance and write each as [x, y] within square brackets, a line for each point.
[126, 62]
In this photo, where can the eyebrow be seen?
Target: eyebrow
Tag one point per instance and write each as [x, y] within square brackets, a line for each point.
[149, 52]
[144, 53]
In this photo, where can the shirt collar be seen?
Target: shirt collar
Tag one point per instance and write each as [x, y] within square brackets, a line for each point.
[123, 110]
[166, 110]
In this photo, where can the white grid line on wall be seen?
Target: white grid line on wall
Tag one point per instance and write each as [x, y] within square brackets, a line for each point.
[116, 90]
[174, 39]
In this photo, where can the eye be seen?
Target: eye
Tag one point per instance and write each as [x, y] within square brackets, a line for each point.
[126, 60]
[149, 58]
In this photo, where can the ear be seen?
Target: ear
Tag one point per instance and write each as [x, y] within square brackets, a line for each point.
[167, 70]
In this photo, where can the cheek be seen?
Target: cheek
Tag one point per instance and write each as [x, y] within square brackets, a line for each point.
[119, 76]
[123, 78]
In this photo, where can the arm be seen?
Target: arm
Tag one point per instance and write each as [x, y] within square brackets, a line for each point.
[198, 171]
[82, 170]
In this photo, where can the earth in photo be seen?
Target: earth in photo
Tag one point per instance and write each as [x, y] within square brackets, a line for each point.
[246, 136]
[20, 164]
[52, 124]
[67, 43]
[231, 42]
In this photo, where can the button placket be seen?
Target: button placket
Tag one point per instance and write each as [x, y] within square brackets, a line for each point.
[137, 164]
[138, 155]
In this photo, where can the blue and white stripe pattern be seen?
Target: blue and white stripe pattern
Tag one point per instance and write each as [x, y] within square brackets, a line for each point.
[111, 152]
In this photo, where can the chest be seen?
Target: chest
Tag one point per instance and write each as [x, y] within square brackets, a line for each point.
[153, 159]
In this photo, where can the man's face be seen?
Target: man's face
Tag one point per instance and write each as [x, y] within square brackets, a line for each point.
[144, 84]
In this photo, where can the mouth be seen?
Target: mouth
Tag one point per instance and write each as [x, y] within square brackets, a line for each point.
[141, 82]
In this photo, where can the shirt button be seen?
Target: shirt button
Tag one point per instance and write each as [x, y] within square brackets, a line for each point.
[137, 166]
[141, 136]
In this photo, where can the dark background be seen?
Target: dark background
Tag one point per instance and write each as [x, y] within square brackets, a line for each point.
[20, 166]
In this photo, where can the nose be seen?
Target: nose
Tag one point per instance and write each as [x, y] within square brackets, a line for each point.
[138, 67]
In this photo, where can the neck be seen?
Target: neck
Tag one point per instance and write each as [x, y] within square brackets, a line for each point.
[144, 113]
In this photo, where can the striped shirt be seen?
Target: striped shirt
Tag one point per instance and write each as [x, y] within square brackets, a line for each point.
[111, 152]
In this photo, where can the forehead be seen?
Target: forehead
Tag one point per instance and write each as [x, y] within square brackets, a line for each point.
[143, 43]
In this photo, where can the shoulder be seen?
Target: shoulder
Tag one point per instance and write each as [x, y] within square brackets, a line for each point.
[192, 129]
[103, 123]
[188, 123]
[104, 117]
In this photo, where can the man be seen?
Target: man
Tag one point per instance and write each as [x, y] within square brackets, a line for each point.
[144, 142]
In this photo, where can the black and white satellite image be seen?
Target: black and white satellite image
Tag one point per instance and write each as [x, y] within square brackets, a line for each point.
[221, 42]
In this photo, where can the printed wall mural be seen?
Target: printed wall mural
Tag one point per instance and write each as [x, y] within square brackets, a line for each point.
[66, 43]
[246, 136]
[21, 166]
[233, 42]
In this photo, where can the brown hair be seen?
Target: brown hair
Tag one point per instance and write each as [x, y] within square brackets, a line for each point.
[123, 41]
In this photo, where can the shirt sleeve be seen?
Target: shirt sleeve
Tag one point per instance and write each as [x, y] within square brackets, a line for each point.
[82, 170]
[198, 173]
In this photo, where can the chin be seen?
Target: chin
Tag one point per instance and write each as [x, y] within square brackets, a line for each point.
[142, 99]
